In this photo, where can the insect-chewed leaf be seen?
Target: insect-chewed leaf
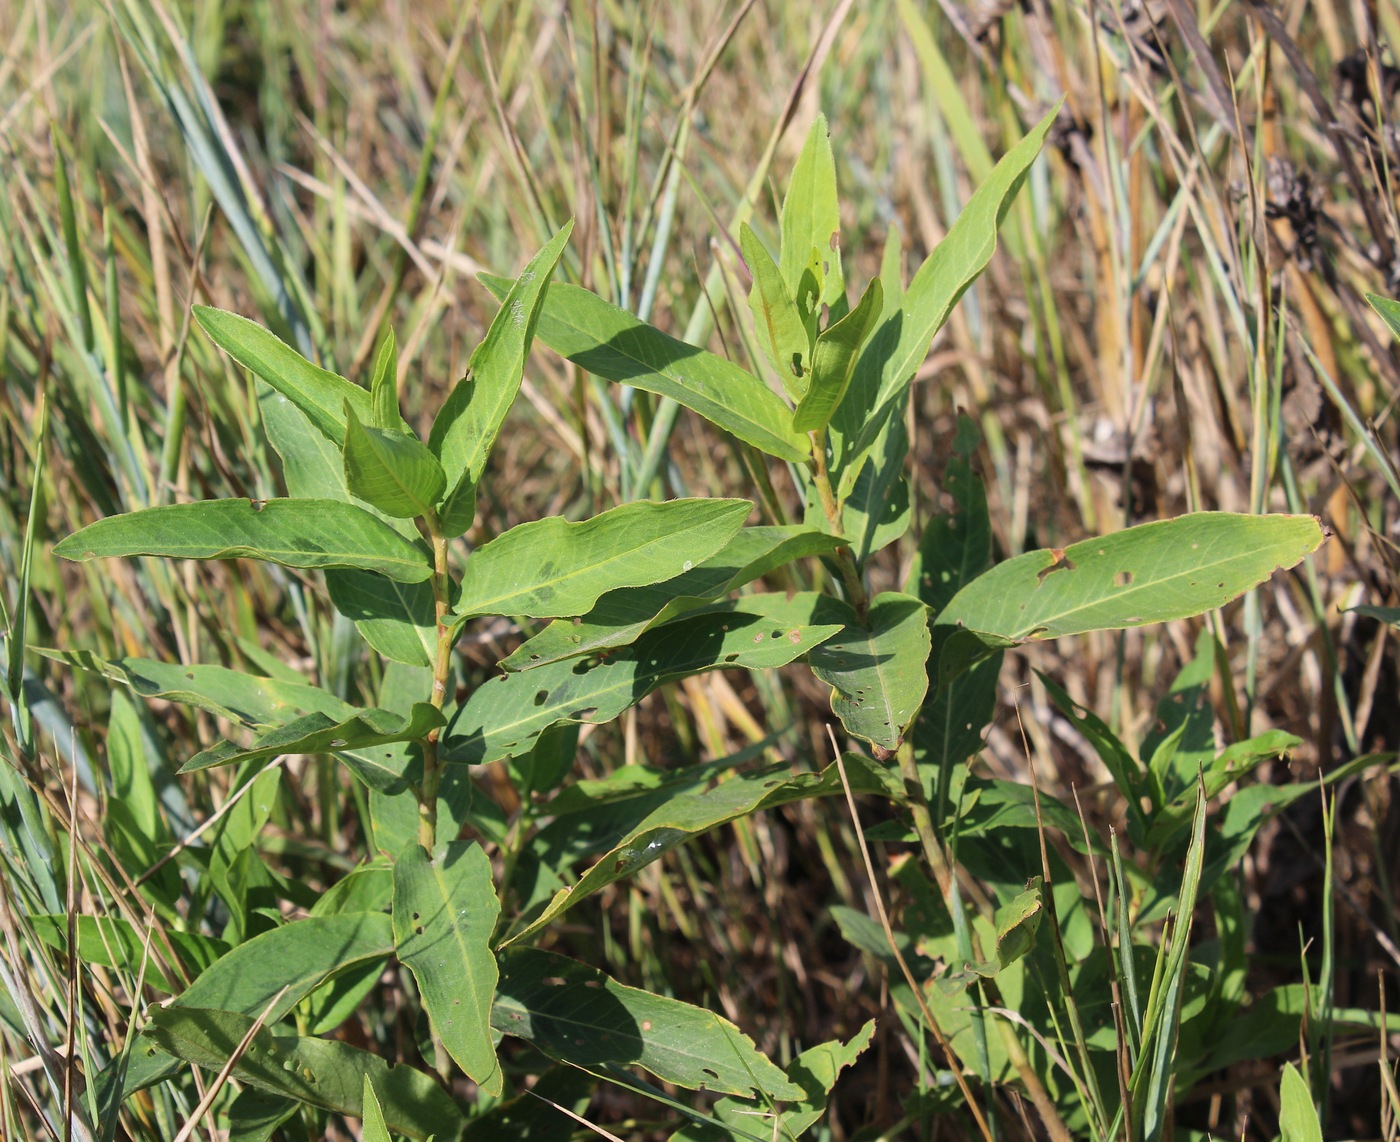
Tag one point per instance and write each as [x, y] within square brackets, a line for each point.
[319, 393]
[782, 334]
[575, 1012]
[876, 669]
[834, 360]
[445, 910]
[391, 469]
[1171, 569]
[321, 1072]
[812, 219]
[550, 567]
[470, 419]
[317, 733]
[294, 533]
[611, 343]
[620, 617]
[503, 717]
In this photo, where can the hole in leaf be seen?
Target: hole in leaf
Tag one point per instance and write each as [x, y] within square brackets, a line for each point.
[541, 696]
[1123, 579]
[731, 658]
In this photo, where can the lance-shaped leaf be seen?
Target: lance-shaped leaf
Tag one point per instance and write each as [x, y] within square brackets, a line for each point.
[294, 533]
[470, 420]
[246, 698]
[876, 513]
[1156, 572]
[611, 343]
[399, 620]
[321, 1072]
[550, 567]
[574, 1012]
[320, 394]
[391, 470]
[1017, 923]
[811, 219]
[503, 717]
[781, 332]
[876, 669]
[317, 733]
[620, 617]
[834, 360]
[895, 353]
[445, 910]
[384, 384]
[684, 816]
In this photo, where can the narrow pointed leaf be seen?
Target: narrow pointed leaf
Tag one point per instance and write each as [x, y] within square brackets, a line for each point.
[811, 218]
[470, 419]
[620, 617]
[687, 815]
[876, 669]
[1170, 569]
[319, 393]
[445, 911]
[391, 470]
[876, 513]
[375, 1128]
[1297, 1118]
[384, 385]
[399, 620]
[253, 701]
[834, 360]
[321, 1072]
[550, 567]
[902, 342]
[503, 717]
[574, 1012]
[317, 733]
[294, 533]
[611, 343]
[780, 328]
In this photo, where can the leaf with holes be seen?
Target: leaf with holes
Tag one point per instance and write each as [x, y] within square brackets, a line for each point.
[294, 533]
[550, 567]
[576, 1013]
[504, 716]
[781, 332]
[1171, 569]
[811, 221]
[445, 909]
[875, 668]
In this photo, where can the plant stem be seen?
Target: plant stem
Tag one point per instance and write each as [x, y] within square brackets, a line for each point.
[442, 664]
[831, 508]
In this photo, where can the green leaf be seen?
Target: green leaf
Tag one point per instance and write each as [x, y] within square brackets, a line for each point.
[531, 1116]
[576, 1013]
[504, 716]
[811, 219]
[620, 617]
[1389, 311]
[783, 336]
[111, 942]
[445, 910]
[375, 1129]
[1017, 922]
[384, 385]
[684, 816]
[611, 343]
[549, 567]
[255, 1115]
[470, 420]
[1388, 615]
[323, 1073]
[1170, 569]
[320, 394]
[890, 360]
[876, 513]
[294, 533]
[391, 470]
[834, 360]
[244, 698]
[815, 1071]
[318, 733]
[876, 669]
[399, 620]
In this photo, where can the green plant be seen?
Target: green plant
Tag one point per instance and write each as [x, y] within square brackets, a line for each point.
[462, 889]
